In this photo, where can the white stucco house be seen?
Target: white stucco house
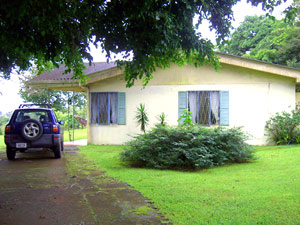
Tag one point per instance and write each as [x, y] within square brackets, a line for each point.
[244, 93]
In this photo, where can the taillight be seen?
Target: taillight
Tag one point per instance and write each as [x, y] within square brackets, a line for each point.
[7, 129]
[55, 129]
[6, 138]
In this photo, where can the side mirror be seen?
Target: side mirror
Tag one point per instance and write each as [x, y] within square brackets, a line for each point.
[61, 122]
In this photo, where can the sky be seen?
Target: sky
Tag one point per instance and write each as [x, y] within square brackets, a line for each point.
[10, 100]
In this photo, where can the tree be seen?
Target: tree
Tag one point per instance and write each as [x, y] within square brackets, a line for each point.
[247, 37]
[155, 33]
[266, 39]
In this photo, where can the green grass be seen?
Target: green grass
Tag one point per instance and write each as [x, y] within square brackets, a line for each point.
[78, 134]
[2, 144]
[266, 191]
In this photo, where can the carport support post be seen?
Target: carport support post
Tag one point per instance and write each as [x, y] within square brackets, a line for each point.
[73, 116]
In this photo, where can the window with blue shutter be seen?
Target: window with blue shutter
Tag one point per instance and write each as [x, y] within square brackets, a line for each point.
[121, 108]
[224, 108]
[207, 107]
[107, 108]
[182, 103]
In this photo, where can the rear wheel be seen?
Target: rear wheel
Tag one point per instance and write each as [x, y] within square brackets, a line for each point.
[57, 151]
[10, 153]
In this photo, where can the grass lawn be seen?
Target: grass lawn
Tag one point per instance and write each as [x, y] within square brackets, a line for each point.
[266, 191]
[78, 134]
[2, 145]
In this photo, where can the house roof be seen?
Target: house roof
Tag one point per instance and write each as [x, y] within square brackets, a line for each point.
[98, 71]
[56, 78]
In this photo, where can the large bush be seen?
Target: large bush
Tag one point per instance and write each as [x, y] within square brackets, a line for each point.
[187, 147]
[283, 128]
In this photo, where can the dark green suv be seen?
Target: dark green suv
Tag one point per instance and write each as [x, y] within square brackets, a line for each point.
[33, 127]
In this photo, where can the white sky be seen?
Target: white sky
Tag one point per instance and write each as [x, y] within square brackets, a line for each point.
[9, 97]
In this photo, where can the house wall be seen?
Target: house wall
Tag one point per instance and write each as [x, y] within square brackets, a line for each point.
[253, 97]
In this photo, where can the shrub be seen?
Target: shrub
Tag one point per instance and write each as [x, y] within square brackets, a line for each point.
[283, 128]
[187, 147]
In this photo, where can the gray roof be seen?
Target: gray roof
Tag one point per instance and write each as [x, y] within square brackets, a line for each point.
[57, 73]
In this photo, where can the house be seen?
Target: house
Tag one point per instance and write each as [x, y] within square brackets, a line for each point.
[244, 93]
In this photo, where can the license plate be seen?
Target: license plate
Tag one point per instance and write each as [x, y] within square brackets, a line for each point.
[21, 145]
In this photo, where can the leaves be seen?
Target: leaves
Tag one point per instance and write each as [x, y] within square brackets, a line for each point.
[266, 39]
[142, 117]
[283, 128]
[155, 33]
[187, 147]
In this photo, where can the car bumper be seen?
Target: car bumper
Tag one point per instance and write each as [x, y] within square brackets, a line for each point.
[45, 141]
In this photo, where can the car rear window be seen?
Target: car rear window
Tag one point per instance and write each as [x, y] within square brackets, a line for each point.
[42, 116]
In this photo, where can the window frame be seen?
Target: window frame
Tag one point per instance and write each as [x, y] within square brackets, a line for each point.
[98, 108]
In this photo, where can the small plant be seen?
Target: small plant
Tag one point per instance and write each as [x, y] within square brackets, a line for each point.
[186, 118]
[283, 128]
[142, 117]
[162, 119]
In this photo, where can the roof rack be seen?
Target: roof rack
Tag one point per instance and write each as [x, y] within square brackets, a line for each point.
[22, 106]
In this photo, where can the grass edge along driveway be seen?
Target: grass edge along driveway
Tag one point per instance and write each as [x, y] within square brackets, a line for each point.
[266, 191]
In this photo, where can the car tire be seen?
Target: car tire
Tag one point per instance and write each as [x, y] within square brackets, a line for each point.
[31, 130]
[57, 151]
[62, 146]
[10, 153]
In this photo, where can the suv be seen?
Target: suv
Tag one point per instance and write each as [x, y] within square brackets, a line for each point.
[33, 128]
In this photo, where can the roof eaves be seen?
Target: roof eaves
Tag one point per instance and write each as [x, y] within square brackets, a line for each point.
[259, 65]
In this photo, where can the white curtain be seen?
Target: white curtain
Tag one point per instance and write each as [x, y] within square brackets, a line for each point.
[215, 105]
[113, 108]
[192, 104]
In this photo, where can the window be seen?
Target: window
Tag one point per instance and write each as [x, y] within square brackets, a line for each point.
[207, 107]
[39, 115]
[107, 108]
[204, 106]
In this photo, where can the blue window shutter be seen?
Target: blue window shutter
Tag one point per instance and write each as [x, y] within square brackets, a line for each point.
[224, 108]
[121, 108]
[182, 102]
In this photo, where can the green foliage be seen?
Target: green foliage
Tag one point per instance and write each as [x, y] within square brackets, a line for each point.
[152, 33]
[162, 119]
[186, 118]
[142, 117]
[3, 121]
[266, 39]
[187, 147]
[283, 127]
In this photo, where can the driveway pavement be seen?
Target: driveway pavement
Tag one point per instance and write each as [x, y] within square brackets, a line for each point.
[38, 189]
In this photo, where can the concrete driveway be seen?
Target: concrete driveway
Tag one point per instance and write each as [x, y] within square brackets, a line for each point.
[38, 189]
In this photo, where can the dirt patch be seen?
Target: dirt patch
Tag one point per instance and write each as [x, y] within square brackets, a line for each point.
[38, 189]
